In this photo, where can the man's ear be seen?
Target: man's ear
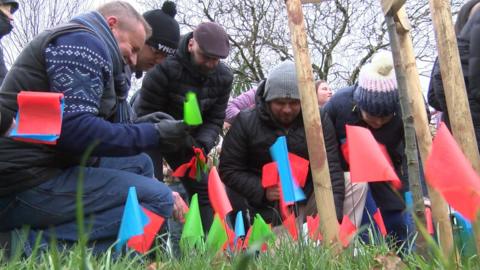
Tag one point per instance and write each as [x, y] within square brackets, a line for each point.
[112, 22]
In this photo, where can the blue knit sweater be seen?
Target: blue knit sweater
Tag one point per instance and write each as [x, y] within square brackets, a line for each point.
[79, 65]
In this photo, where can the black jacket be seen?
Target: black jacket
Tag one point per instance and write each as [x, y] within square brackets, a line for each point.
[469, 48]
[342, 111]
[245, 151]
[165, 86]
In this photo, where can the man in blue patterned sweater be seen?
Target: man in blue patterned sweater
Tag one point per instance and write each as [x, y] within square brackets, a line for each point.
[85, 60]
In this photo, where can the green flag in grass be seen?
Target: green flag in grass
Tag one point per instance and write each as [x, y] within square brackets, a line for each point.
[192, 234]
[191, 110]
[261, 231]
[217, 236]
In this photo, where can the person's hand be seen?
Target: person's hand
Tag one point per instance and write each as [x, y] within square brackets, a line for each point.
[272, 194]
[154, 117]
[172, 134]
[180, 208]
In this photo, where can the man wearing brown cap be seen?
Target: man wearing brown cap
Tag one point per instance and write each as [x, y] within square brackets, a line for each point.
[195, 67]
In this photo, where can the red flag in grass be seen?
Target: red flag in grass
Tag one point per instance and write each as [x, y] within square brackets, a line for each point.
[428, 220]
[451, 174]
[312, 225]
[291, 226]
[347, 231]
[217, 194]
[197, 164]
[368, 162]
[143, 242]
[379, 220]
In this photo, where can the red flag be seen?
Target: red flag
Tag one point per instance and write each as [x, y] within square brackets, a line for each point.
[291, 226]
[269, 175]
[312, 225]
[143, 242]
[198, 161]
[428, 220]
[347, 230]
[367, 160]
[451, 174]
[230, 244]
[217, 194]
[247, 238]
[299, 168]
[379, 220]
[40, 113]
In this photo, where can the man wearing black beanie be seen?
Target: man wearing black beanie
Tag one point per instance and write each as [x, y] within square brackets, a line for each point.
[164, 40]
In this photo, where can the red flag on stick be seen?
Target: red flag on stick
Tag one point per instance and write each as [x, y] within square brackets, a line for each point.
[450, 173]
[312, 225]
[217, 194]
[143, 242]
[291, 226]
[379, 220]
[347, 230]
[368, 162]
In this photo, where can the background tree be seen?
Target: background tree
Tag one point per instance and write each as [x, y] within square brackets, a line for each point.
[36, 15]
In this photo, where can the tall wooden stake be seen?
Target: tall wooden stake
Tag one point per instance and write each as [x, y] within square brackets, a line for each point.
[420, 120]
[454, 86]
[313, 126]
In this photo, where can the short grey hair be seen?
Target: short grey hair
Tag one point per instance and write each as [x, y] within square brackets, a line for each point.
[122, 10]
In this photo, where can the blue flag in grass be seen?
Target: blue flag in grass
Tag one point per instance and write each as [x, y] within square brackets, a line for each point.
[133, 219]
[290, 190]
[239, 227]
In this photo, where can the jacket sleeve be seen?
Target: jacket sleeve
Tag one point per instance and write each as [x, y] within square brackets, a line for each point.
[153, 95]
[234, 169]
[6, 121]
[240, 103]
[474, 60]
[336, 172]
[207, 133]
[437, 98]
[82, 77]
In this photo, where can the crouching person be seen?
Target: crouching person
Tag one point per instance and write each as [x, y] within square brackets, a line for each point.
[246, 147]
[84, 60]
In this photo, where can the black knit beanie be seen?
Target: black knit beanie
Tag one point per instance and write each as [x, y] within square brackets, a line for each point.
[165, 30]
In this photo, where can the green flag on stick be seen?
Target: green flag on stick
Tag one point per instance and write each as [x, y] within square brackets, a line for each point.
[192, 234]
[261, 231]
[191, 110]
[217, 236]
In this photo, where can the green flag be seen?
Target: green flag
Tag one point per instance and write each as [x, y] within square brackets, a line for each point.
[217, 236]
[191, 110]
[192, 234]
[261, 231]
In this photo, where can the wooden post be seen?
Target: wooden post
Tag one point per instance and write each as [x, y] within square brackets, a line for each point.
[454, 87]
[424, 138]
[313, 126]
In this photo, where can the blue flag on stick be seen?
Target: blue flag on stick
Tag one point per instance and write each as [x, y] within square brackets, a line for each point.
[239, 227]
[133, 220]
[290, 190]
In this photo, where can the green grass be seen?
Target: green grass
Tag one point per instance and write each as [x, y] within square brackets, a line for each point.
[286, 254]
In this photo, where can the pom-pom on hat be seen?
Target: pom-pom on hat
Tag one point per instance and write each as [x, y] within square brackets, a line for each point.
[376, 92]
[165, 30]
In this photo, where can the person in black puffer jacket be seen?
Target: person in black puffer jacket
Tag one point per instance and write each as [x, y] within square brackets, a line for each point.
[195, 67]
[246, 146]
[467, 28]
[373, 103]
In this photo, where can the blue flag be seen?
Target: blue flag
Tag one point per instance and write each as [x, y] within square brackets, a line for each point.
[133, 219]
[279, 152]
[239, 227]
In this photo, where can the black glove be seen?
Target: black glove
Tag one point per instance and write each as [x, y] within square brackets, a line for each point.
[172, 134]
[154, 117]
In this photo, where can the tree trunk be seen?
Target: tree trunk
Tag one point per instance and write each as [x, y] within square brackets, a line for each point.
[313, 127]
